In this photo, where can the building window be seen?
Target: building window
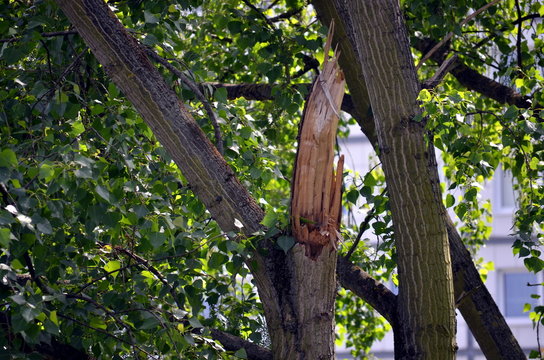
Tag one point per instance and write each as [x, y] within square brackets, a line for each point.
[517, 293]
[504, 199]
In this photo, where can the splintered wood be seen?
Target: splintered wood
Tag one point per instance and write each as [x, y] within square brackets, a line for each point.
[316, 197]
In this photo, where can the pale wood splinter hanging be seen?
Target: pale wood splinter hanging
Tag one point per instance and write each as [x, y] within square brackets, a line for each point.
[316, 194]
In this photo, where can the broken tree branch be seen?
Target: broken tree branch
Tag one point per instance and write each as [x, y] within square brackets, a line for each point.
[315, 203]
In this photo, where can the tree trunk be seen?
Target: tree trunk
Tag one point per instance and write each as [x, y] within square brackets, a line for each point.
[309, 281]
[426, 318]
[477, 306]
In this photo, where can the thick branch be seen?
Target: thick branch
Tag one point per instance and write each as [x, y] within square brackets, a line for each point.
[262, 92]
[475, 81]
[349, 64]
[479, 309]
[45, 35]
[234, 343]
[370, 290]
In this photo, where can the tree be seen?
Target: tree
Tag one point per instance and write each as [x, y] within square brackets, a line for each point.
[126, 232]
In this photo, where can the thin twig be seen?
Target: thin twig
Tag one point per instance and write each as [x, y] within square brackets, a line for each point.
[153, 270]
[450, 34]
[442, 71]
[102, 277]
[81, 323]
[97, 305]
[194, 88]
[60, 79]
[46, 35]
[362, 228]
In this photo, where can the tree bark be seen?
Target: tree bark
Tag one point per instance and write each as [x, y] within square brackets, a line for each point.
[426, 318]
[478, 307]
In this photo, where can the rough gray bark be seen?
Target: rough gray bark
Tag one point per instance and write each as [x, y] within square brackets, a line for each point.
[425, 302]
[477, 307]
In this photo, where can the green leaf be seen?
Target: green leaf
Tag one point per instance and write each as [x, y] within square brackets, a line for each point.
[270, 219]
[461, 210]
[352, 196]
[241, 353]
[450, 200]
[5, 235]
[220, 95]
[150, 18]
[425, 95]
[104, 193]
[157, 239]
[53, 317]
[8, 158]
[217, 260]
[47, 172]
[234, 27]
[511, 113]
[44, 226]
[77, 128]
[471, 194]
[286, 242]
[113, 265]
[534, 264]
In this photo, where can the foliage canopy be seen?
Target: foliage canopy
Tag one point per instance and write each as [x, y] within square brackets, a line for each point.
[105, 247]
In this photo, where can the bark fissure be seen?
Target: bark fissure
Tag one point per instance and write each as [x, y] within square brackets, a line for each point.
[425, 302]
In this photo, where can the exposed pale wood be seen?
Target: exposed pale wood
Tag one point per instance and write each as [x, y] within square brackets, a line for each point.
[315, 202]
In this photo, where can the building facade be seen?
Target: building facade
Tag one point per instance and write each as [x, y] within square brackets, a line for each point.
[509, 282]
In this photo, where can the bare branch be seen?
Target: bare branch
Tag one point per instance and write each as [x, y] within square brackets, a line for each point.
[450, 34]
[45, 34]
[285, 15]
[194, 88]
[475, 81]
[234, 343]
[442, 71]
[370, 290]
